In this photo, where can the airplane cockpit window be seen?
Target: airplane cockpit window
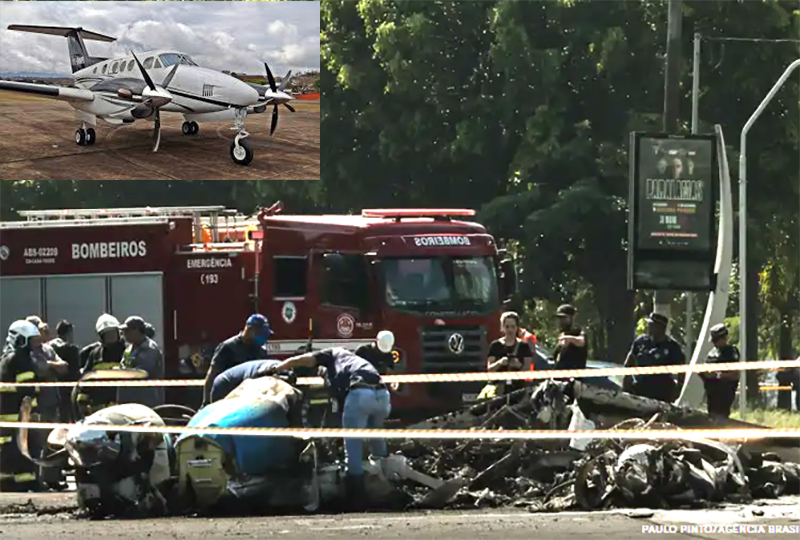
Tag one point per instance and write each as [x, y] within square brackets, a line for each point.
[188, 61]
[156, 64]
[130, 65]
[148, 63]
[169, 59]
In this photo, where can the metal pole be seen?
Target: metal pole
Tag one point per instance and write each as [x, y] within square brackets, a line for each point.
[672, 74]
[743, 231]
[695, 128]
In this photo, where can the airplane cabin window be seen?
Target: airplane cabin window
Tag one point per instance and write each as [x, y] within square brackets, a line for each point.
[114, 68]
[130, 65]
[156, 64]
[94, 70]
[104, 67]
[148, 63]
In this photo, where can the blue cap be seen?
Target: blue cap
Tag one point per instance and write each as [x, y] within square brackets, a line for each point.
[259, 322]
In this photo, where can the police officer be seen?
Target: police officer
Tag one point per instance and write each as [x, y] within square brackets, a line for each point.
[227, 381]
[249, 344]
[141, 353]
[103, 354]
[355, 383]
[655, 348]
[17, 366]
[720, 385]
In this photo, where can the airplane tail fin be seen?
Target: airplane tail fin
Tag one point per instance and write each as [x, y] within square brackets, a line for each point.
[78, 56]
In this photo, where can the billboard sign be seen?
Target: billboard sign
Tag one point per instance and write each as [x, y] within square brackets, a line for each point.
[673, 196]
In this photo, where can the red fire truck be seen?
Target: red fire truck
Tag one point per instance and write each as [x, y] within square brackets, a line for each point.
[196, 273]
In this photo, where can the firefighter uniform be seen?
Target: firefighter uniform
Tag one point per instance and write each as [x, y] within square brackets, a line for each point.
[94, 357]
[17, 473]
[720, 386]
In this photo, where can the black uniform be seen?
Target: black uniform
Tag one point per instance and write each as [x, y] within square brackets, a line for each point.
[94, 357]
[721, 386]
[16, 472]
[71, 354]
[234, 351]
[649, 352]
[519, 351]
[571, 356]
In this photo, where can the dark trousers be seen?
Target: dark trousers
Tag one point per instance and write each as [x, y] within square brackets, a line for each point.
[16, 472]
[655, 388]
[48, 475]
[719, 396]
[787, 378]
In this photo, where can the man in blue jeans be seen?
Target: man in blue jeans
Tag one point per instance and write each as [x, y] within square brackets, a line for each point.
[356, 384]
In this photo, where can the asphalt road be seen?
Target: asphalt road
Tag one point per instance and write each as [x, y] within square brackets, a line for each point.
[37, 143]
[46, 517]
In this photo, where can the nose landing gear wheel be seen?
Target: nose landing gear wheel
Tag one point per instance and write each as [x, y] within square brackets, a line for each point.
[80, 137]
[242, 154]
[91, 136]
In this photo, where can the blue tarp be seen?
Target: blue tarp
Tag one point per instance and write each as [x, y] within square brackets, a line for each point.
[255, 455]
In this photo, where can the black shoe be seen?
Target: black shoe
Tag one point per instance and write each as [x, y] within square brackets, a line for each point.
[355, 493]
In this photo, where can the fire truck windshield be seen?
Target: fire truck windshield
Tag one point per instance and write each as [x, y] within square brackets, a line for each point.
[441, 284]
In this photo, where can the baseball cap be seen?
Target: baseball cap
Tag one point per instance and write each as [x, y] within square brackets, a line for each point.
[385, 341]
[566, 310]
[658, 318]
[134, 322]
[259, 322]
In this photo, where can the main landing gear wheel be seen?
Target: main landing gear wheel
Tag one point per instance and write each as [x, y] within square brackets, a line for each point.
[190, 128]
[85, 137]
[242, 154]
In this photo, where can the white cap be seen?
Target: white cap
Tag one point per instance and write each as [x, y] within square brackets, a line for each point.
[385, 341]
[106, 322]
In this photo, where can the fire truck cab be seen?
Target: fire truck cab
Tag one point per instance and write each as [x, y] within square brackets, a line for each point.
[197, 273]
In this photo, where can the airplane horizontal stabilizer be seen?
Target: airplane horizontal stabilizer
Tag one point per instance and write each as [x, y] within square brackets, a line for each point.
[63, 31]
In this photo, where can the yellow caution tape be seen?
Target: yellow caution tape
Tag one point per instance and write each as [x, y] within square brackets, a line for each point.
[479, 376]
[767, 388]
[338, 433]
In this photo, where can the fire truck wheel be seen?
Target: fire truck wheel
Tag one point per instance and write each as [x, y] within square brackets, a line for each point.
[187, 128]
[91, 136]
[242, 154]
[195, 128]
[80, 137]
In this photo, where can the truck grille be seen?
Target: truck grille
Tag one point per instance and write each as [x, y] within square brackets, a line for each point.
[437, 357]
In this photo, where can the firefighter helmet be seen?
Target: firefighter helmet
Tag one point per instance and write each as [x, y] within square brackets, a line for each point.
[385, 341]
[20, 334]
[106, 322]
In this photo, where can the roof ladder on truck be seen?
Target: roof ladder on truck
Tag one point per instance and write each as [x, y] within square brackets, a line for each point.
[199, 214]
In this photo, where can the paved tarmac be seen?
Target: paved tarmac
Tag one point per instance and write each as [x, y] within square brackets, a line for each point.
[48, 516]
[37, 143]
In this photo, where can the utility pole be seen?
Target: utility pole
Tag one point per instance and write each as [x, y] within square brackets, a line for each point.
[672, 74]
[689, 333]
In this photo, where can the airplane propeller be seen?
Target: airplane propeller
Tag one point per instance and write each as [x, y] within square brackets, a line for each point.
[277, 96]
[154, 97]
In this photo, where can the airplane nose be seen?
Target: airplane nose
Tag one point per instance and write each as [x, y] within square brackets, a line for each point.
[243, 94]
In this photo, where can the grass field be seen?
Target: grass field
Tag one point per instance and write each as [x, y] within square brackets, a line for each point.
[772, 418]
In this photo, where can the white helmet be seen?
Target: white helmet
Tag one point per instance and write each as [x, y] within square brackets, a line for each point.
[106, 322]
[20, 334]
[385, 341]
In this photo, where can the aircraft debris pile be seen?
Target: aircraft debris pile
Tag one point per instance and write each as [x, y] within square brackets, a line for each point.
[551, 475]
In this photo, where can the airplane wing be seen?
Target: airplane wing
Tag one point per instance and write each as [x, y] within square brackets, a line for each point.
[48, 90]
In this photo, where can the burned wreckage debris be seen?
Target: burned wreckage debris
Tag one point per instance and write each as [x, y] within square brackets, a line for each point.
[196, 473]
[581, 474]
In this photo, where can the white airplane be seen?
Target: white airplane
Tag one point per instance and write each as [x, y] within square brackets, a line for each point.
[123, 90]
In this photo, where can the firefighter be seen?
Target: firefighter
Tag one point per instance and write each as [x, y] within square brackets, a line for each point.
[141, 353]
[655, 348]
[720, 385]
[103, 354]
[249, 344]
[66, 349]
[17, 366]
[356, 385]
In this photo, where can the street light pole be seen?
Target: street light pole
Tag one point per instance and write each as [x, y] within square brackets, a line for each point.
[743, 231]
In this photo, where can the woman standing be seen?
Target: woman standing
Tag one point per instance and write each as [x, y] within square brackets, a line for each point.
[508, 353]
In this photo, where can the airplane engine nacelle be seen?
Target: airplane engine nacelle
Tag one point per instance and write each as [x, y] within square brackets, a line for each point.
[142, 111]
